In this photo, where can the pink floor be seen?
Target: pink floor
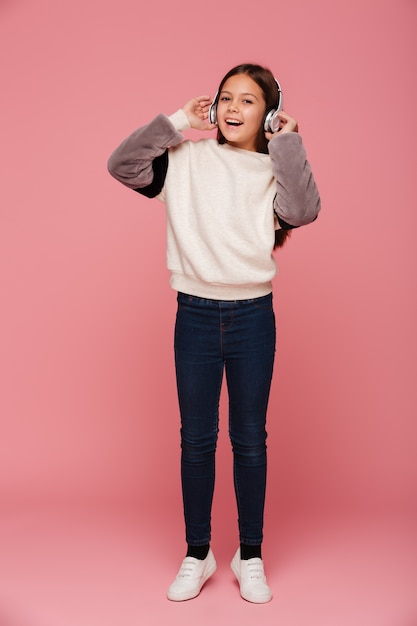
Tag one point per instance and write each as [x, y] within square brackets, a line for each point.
[111, 568]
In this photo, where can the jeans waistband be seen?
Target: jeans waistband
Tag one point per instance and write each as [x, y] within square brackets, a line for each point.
[185, 297]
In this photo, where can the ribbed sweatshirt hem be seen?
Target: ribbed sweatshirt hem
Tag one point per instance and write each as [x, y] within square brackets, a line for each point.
[214, 291]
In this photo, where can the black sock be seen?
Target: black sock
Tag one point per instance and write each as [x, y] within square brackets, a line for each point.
[198, 552]
[250, 552]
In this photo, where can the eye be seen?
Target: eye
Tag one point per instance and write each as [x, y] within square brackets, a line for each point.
[224, 98]
[246, 101]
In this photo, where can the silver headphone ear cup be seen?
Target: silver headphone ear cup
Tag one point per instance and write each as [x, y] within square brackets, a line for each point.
[212, 115]
[272, 122]
[268, 120]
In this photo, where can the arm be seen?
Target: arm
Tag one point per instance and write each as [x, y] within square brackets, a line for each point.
[297, 201]
[140, 162]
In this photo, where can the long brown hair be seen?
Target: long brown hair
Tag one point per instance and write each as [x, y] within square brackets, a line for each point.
[266, 81]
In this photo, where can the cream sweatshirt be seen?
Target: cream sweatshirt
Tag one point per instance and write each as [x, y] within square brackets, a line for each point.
[222, 204]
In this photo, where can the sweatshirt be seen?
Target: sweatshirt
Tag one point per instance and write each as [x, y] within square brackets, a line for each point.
[222, 203]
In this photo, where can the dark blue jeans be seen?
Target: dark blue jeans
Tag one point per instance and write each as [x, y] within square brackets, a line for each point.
[238, 337]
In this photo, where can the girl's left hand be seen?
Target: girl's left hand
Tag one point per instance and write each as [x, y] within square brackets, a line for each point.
[287, 125]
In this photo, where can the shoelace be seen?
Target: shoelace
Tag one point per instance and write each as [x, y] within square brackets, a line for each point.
[186, 570]
[256, 570]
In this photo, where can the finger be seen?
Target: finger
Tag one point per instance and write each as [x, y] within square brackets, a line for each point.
[287, 127]
[286, 118]
[283, 115]
[203, 99]
[210, 126]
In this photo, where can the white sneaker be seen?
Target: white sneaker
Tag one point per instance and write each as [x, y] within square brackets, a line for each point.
[251, 578]
[191, 577]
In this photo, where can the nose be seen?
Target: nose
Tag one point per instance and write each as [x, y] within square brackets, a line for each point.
[232, 106]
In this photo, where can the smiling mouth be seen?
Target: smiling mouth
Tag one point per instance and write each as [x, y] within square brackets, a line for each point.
[231, 122]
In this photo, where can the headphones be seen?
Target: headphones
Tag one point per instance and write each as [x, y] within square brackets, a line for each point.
[271, 122]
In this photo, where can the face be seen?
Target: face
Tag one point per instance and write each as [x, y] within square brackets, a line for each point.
[240, 111]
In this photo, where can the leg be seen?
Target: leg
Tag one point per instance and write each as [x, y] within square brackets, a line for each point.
[250, 350]
[199, 369]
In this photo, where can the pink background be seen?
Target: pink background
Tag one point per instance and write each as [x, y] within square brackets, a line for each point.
[89, 419]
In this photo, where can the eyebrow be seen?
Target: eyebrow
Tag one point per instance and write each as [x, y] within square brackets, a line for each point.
[246, 93]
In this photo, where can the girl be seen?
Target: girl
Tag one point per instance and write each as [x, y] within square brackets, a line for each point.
[229, 202]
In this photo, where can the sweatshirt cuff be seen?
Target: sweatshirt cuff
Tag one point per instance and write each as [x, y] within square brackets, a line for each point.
[179, 120]
[288, 136]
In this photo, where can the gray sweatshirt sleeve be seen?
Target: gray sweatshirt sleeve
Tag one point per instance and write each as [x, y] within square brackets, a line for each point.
[297, 201]
[132, 162]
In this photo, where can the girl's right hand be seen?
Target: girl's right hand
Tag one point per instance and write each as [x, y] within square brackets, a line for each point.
[197, 112]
